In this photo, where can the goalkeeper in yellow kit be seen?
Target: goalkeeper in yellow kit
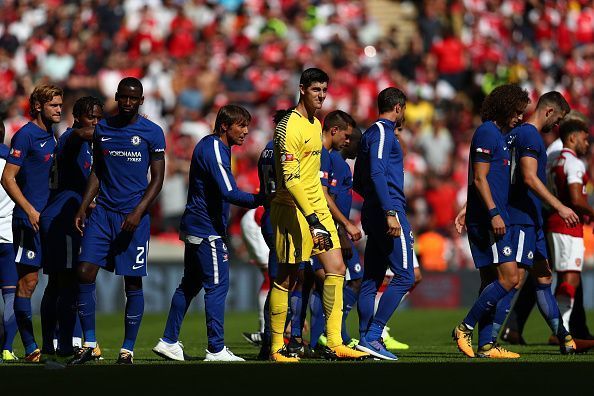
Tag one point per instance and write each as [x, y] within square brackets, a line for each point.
[301, 221]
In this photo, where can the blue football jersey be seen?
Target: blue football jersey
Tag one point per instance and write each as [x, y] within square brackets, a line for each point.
[266, 173]
[212, 188]
[525, 206]
[341, 183]
[123, 157]
[4, 150]
[488, 145]
[70, 171]
[379, 169]
[32, 149]
[325, 166]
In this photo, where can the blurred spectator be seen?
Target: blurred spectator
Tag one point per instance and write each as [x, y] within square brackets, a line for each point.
[197, 55]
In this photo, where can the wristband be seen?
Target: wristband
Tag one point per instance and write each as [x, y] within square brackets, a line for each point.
[312, 219]
[391, 212]
[493, 212]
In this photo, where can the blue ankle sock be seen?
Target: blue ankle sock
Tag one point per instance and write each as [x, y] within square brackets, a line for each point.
[22, 312]
[86, 310]
[549, 309]
[9, 319]
[180, 302]
[349, 298]
[503, 307]
[134, 312]
[296, 305]
[486, 301]
[49, 317]
[317, 318]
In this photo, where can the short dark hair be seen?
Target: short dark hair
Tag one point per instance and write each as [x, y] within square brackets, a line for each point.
[85, 105]
[503, 103]
[312, 75]
[554, 99]
[568, 128]
[280, 114]
[131, 82]
[231, 114]
[390, 97]
[340, 119]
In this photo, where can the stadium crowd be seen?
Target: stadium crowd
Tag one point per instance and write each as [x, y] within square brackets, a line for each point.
[195, 56]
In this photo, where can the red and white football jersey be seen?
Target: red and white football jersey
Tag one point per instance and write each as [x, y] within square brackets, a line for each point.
[566, 169]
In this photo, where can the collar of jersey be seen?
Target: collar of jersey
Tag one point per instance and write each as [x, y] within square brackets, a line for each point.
[387, 122]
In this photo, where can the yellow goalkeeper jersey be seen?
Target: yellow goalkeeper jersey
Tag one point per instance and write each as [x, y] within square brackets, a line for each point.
[297, 157]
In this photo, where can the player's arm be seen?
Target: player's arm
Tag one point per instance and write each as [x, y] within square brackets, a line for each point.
[578, 201]
[91, 190]
[460, 220]
[480, 171]
[220, 168]
[14, 192]
[379, 152]
[341, 219]
[75, 140]
[132, 220]
[529, 167]
[343, 222]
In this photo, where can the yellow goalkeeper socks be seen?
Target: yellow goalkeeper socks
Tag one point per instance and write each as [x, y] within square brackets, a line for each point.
[333, 284]
[279, 303]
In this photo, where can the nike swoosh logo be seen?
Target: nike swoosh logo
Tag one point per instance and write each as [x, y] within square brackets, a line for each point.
[42, 144]
[135, 267]
[307, 140]
[105, 139]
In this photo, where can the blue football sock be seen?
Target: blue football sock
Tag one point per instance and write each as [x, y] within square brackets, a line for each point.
[486, 301]
[22, 312]
[180, 302]
[387, 305]
[49, 317]
[503, 307]
[67, 319]
[349, 298]
[296, 305]
[549, 309]
[485, 328]
[77, 332]
[86, 311]
[266, 335]
[366, 305]
[317, 318]
[9, 320]
[134, 311]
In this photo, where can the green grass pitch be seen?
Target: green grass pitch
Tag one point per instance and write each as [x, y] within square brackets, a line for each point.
[432, 361]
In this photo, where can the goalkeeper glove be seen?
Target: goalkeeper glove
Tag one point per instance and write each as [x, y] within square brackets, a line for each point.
[321, 236]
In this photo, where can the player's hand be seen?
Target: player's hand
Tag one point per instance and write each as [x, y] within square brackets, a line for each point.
[79, 220]
[353, 231]
[460, 220]
[131, 221]
[34, 219]
[394, 227]
[320, 235]
[345, 243]
[498, 225]
[569, 216]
